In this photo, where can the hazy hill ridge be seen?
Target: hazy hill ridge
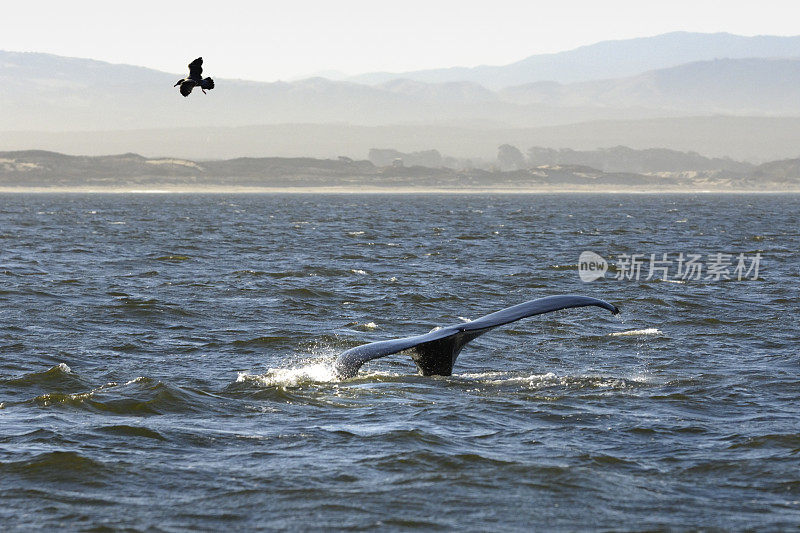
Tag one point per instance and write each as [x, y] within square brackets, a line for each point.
[734, 86]
[46, 92]
[700, 81]
[608, 59]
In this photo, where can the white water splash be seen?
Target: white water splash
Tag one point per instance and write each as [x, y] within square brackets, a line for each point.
[371, 325]
[482, 375]
[534, 380]
[64, 368]
[636, 332]
[359, 272]
[549, 379]
[291, 377]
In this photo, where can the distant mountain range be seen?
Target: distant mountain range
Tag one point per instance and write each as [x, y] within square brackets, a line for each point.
[693, 78]
[45, 92]
[607, 59]
[732, 86]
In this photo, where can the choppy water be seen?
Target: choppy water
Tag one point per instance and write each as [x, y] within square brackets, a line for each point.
[165, 364]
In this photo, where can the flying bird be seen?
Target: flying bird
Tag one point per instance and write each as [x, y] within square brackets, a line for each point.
[195, 79]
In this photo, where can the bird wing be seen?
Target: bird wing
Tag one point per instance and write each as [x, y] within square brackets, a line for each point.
[196, 68]
[186, 87]
[456, 336]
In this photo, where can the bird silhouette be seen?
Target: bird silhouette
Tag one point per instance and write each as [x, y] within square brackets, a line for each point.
[195, 79]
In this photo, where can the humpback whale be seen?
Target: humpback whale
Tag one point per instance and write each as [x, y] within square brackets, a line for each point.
[435, 353]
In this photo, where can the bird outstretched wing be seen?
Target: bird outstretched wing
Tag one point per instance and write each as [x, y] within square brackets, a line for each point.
[196, 68]
[186, 87]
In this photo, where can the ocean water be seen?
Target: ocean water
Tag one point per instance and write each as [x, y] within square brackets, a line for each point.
[165, 364]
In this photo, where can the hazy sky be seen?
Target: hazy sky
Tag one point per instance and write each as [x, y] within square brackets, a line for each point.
[271, 40]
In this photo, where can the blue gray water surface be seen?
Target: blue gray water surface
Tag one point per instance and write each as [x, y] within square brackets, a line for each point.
[165, 364]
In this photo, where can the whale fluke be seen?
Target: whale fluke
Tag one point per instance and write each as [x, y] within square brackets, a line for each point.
[435, 353]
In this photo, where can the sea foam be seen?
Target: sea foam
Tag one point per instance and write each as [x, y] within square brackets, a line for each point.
[636, 332]
[291, 377]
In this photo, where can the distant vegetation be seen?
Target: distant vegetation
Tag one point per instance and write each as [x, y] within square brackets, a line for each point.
[624, 159]
[49, 171]
[615, 159]
[390, 157]
[384, 157]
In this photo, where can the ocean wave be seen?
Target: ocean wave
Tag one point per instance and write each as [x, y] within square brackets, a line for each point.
[637, 332]
[125, 430]
[266, 340]
[129, 305]
[139, 396]
[58, 378]
[551, 379]
[59, 466]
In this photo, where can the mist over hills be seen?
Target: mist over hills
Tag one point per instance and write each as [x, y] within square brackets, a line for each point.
[755, 139]
[607, 59]
[718, 94]
[43, 92]
[732, 86]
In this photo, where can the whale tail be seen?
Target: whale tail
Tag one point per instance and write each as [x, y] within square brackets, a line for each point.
[436, 352]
